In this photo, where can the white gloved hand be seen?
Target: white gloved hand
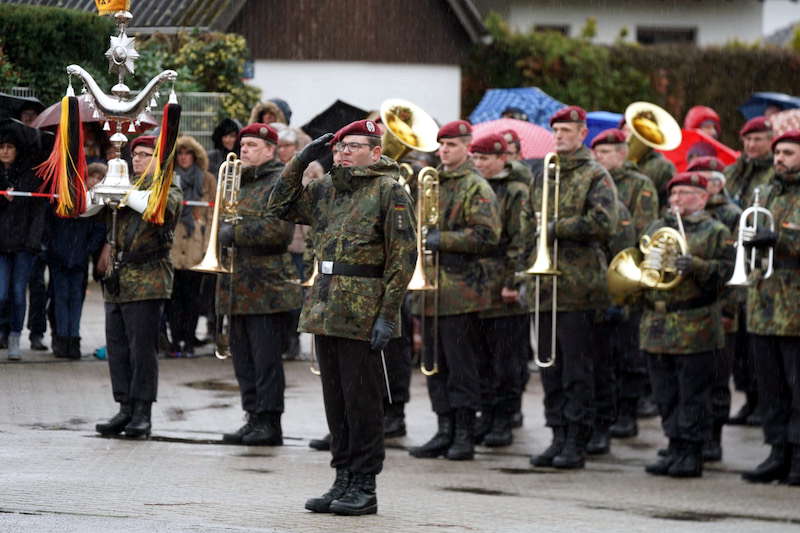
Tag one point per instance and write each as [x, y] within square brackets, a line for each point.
[748, 234]
[137, 200]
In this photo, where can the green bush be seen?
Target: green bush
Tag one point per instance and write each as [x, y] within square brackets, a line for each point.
[9, 75]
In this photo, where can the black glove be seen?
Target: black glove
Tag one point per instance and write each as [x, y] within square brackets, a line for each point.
[687, 263]
[764, 238]
[381, 333]
[314, 150]
[226, 234]
[614, 314]
[432, 239]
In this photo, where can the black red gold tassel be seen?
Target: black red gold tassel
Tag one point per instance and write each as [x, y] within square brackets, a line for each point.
[164, 161]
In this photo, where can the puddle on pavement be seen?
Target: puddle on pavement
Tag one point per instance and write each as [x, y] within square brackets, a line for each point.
[255, 470]
[479, 491]
[253, 455]
[635, 444]
[693, 516]
[213, 385]
[523, 471]
[448, 526]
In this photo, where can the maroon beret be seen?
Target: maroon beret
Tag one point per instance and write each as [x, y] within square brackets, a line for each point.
[457, 128]
[570, 113]
[510, 136]
[692, 179]
[261, 131]
[365, 127]
[148, 141]
[791, 136]
[755, 125]
[700, 114]
[705, 163]
[609, 136]
[494, 143]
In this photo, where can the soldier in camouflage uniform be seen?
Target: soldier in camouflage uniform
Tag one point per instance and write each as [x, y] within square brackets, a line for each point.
[638, 194]
[468, 229]
[258, 296]
[587, 219]
[503, 355]
[681, 328]
[135, 292]
[773, 307]
[752, 170]
[364, 245]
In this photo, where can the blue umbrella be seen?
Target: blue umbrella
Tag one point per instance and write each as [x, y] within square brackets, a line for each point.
[758, 102]
[598, 121]
[538, 105]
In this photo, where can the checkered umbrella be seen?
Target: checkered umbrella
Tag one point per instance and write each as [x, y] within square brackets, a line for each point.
[537, 104]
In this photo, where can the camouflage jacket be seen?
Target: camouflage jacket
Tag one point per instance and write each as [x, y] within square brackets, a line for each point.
[511, 188]
[142, 251]
[727, 212]
[697, 328]
[660, 170]
[743, 176]
[470, 227]
[638, 193]
[359, 216]
[587, 219]
[773, 305]
[625, 235]
[263, 268]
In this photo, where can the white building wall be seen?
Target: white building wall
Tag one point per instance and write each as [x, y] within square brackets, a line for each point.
[311, 86]
[780, 13]
[716, 21]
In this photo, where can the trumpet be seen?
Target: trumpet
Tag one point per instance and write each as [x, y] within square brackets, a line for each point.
[226, 200]
[546, 263]
[740, 271]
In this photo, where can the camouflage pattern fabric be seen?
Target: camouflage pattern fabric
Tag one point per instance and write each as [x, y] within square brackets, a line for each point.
[358, 216]
[625, 235]
[697, 329]
[639, 195]
[727, 212]
[773, 305]
[744, 176]
[660, 170]
[263, 270]
[512, 189]
[141, 279]
[586, 221]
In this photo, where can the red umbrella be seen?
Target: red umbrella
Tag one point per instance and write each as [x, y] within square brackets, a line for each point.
[50, 117]
[535, 140]
[785, 121]
[694, 137]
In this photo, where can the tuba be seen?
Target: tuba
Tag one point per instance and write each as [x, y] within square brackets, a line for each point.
[651, 127]
[650, 266]
[408, 128]
[749, 221]
[226, 201]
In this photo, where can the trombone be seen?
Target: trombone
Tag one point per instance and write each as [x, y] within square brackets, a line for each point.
[227, 201]
[546, 263]
[740, 270]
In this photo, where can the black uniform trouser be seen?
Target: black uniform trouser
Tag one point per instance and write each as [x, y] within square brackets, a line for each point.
[629, 361]
[503, 349]
[744, 373]
[778, 373]
[37, 297]
[132, 344]
[569, 384]
[398, 354]
[183, 309]
[457, 384]
[605, 378]
[720, 400]
[257, 342]
[352, 388]
[681, 388]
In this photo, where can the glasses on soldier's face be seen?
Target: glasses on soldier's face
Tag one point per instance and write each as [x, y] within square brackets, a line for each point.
[142, 155]
[349, 147]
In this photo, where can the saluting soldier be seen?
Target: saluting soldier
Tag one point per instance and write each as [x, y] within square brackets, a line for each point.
[505, 326]
[773, 307]
[752, 170]
[469, 228]
[681, 328]
[134, 296]
[364, 245]
[587, 219]
[258, 296]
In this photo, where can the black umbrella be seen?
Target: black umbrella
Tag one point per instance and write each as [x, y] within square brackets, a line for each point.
[336, 116]
[35, 144]
[11, 106]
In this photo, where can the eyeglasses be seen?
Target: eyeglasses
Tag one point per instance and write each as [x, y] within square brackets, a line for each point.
[348, 147]
[684, 193]
[142, 155]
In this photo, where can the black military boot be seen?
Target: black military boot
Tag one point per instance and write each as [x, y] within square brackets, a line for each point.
[140, 425]
[573, 454]
[689, 462]
[117, 423]
[237, 436]
[74, 348]
[440, 442]
[322, 445]
[60, 347]
[37, 344]
[394, 420]
[626, 425]
[266, 430]
[546, 457]
[741, 416]
[517, 419]
[774, 468]
[794, 472]
[337, 490]
[501, 434]
[662, 465]
[463, 447]
[600, 443]
[360, 498]
[712, 447]
[646, 407]
[483, 424]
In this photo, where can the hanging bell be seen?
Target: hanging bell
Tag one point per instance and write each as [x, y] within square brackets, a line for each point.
[131, 128]
[95, 114]
[106, 126]
[153, 102]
